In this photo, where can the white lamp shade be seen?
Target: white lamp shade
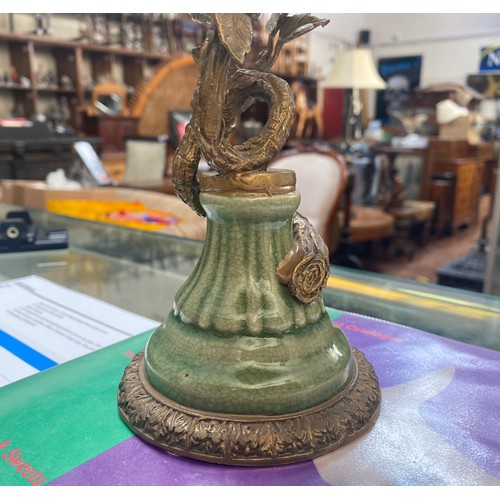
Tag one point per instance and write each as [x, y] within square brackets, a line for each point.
[354, 69]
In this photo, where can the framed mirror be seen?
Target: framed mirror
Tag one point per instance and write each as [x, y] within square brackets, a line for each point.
[108, 99]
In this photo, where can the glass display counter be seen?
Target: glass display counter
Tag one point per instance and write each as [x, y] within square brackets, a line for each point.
[492, 284]
[141, 271]
[438, 423]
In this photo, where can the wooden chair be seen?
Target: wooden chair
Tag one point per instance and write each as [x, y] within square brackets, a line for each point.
[359, 225]
[412, 217]
[321, 176]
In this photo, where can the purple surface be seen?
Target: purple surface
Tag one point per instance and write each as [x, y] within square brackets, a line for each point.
[135, 463]
[466, 414]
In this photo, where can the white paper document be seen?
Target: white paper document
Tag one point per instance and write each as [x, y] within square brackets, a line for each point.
[43, 324]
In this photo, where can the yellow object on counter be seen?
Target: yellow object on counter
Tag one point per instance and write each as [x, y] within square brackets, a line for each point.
[132, 214]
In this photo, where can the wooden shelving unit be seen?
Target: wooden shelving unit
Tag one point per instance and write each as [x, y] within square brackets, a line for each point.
[294, 59]
[77, 65]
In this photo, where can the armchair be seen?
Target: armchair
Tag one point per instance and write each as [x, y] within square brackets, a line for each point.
[321, 176]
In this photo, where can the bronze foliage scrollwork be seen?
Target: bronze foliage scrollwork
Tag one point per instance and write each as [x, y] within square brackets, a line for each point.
[249, 440]
[224, 91]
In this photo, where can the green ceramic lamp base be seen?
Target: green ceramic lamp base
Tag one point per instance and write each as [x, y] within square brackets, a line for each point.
[241, 372]
[249, 440]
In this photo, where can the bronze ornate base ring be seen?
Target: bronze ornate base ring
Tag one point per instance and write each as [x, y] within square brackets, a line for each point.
[249, 440]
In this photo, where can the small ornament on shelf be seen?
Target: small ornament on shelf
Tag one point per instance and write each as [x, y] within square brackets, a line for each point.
[38, 75]
[137, 41]
[87, 82]
[85, 28]
[47, 80]
[66, 82]
[7, 78]
[42, 24]
[14, 75]
[129, 35]
[159, 43]
[99, 29]
[24, 81]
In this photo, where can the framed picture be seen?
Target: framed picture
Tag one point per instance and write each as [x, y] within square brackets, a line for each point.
[490, 59]
[402, 75]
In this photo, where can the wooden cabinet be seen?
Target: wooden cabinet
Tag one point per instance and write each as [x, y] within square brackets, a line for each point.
[462, 164]
[112, 130]
[466, 193]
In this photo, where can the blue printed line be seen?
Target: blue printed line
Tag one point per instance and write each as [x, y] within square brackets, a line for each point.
[25, 352]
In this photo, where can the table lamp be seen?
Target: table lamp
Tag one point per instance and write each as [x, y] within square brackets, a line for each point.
[355, 70]
[248, 367]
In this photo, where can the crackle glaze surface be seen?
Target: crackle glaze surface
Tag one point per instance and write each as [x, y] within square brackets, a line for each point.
[236, 341]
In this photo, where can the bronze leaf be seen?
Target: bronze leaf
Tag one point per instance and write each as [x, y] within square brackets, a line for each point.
[235, 32]
[299, 25]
